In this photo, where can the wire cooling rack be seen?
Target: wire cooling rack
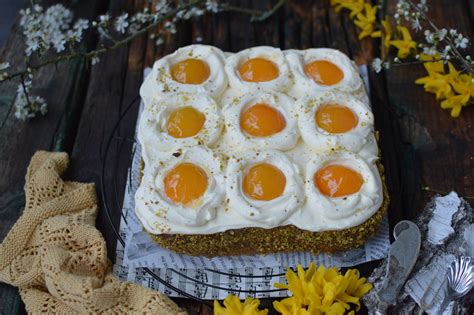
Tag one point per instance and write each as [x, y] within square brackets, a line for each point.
[117, 152]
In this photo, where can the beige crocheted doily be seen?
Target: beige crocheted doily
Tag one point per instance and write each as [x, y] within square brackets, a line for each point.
[56, 256]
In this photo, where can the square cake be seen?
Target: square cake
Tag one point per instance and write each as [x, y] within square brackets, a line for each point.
[259, 151]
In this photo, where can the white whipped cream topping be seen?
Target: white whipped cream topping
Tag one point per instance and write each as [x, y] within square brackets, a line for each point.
[304, 85]
[233, 62]
[157, 211]
[268, 213]
[232, 211]
[153, 134]
[160, 82]
[321, 140]
[283, 140]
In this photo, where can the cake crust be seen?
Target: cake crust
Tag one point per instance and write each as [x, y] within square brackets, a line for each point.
[250, 241]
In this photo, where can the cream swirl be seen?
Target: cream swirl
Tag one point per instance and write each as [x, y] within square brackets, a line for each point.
[240, 140]
[267, 213]
[319, 139]
[160, 81]
[304, 84]
[156, 209]
[233, 63]
[153, 133]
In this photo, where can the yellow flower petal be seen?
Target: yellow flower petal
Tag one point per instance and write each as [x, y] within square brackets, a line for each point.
[319, 290]
[404, 45]
[233, 306]
[387, 32]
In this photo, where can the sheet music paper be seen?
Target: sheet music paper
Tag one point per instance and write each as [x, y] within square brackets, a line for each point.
[140, 252]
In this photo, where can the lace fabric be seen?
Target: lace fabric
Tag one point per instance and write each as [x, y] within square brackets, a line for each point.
[56, 256]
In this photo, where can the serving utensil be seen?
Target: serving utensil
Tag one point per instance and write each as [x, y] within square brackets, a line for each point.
[460, 280]
[402, 257]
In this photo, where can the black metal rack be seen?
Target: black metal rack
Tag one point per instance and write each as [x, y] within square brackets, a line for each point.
[113, 208]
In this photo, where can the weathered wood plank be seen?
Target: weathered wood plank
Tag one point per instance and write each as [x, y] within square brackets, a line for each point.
[101, 110]
[62, 88]
[436, 150]
[241, 32]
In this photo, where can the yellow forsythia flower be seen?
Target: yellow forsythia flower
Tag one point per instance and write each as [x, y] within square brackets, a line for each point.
[233, 306]
[291, 306]
[454, 88]
[464, 86]
[404, 45]
[387, 33]
[321, 291]
[355, 6]
[366, 21]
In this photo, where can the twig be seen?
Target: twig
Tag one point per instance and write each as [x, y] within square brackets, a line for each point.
[25, 90]
[447, 38]
[256, 15]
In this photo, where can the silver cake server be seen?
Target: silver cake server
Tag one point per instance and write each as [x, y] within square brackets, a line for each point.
[402, 257]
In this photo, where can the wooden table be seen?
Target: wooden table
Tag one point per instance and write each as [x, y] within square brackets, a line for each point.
[421, 145]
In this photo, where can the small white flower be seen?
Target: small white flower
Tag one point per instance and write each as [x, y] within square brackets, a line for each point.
[104, 19]
[442, 34]
[170, 26]
[430, 51]
[4, 65]
[198, 39]
[37, 8]
[28, 106]
[59, 42]
[192, 13]
[377, 65]
[461, 42]
[95, 60]
[453, 32]
[422, 6]
[212, 6]
[121, 23]
[162, 7]
[159, 41]
[415, 24]
[80, 26]
[43, 107]
[429, 37]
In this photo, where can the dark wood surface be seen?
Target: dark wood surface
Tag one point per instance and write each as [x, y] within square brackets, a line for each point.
[421, 145]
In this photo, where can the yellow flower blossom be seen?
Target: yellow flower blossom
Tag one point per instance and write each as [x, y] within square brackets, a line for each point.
[436, 81]
[404, 45]
[292, 306]
[233, 306]
[437, 84]
[465, 88]
[454, 88]
[321, 291]
[355, 6]
[386, 34]
[366, 22]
